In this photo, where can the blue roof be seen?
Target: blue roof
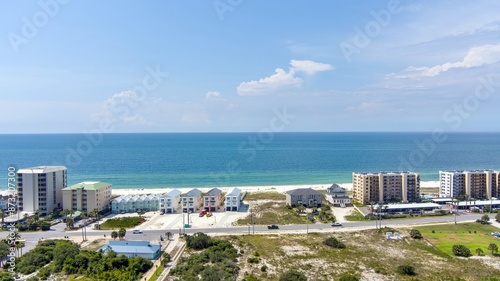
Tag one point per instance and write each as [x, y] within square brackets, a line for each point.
[234, 192]
[137, 247]
[192, 193]
[173, 193]
[213, 192]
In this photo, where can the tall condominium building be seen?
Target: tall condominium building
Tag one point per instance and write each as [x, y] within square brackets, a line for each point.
[40, 188]
[87, 196]
[386, 187]
[479, 184]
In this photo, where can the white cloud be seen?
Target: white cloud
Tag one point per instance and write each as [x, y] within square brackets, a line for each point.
[477, 56]
[212, 95]
[282, 79]
[309, 67]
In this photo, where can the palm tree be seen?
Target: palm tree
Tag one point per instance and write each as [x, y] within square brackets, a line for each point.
[168, 234]
[37, 215]
[114, 235]
[70, 222]
[479, 251]
[121, 233]
[493, 248]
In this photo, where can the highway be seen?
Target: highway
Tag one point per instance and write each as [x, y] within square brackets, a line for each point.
[57, 231]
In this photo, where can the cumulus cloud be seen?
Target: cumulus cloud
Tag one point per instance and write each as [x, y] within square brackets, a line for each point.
[282, 79]
[121, 108]
[212, 95]
[477, 56]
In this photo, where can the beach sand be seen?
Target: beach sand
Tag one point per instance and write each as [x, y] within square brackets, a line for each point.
[270, 188]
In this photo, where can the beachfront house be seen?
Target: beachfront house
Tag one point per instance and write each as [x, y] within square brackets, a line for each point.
[307, 197]
[170, 202]
[191, 201]
[212, 199]
[337, 196]
[133, 249]
[233, 200]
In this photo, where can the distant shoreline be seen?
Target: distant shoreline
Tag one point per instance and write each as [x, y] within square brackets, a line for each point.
[267, 188]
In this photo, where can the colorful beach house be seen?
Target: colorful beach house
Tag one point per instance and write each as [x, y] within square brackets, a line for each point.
[191, 201]
[133, 249]
[170, 202]
[212, 199]
[233, 200]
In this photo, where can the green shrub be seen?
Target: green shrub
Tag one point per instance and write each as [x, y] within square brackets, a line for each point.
[263, 268]
[293, 275]
[334, 243]
[348, 277]
[461, 251]
[415, 234]
[406, 269]
[253, 260]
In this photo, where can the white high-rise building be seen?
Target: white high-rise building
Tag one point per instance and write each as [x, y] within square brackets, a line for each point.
[478, 184]
[40, 188]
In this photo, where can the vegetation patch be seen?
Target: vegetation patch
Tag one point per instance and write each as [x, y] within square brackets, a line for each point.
[471, 235]
[272, 212]
[271, 195]
[126, 222]
[62, 257]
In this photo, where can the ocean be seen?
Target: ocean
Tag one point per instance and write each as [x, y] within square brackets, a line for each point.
[245, 159]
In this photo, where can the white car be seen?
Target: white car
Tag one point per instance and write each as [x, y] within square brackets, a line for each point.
[137, 231]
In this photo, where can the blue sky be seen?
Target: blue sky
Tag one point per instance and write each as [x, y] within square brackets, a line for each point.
[237, 65]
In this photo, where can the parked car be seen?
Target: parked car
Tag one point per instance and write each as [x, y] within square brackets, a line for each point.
[162, 213]
[336, 224]
[209, 214]
[273, 226]
[137, 231]
[202, 213]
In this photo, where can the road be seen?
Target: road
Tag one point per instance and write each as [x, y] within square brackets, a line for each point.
[58, 232]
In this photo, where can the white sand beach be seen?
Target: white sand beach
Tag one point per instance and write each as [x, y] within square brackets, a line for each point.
[270, 188]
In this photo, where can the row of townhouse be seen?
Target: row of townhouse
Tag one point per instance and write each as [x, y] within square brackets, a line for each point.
[308, 197]
[174, 202]
[136, 203]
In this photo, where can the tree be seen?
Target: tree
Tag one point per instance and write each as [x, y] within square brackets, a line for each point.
[300, 209]
[415, 234]
[479, 251]
[114, 235]
[497, 217]
[461, 251]
[406, 269]
[198, 241]
[493, 248]
[4, 250]
[293, 275]
[485, 218]
[70, 222]
[121, 233]
[168, 234]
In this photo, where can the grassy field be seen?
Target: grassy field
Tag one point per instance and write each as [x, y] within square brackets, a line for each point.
[355, 216]
[472, 235]
[272, 213]
[127, 222]
[272, 195]
[367, 255]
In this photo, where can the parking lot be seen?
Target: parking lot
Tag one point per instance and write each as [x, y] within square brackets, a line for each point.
[155, 221]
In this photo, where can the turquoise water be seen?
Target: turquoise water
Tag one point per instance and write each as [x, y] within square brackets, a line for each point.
[242, 159]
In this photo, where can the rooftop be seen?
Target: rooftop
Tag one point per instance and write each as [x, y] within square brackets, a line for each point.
[88, 185]
[192, 193]
[138, 247]
[234, 192]
[41, 169]
[300, 191]
[213, 192]
[410, 206]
